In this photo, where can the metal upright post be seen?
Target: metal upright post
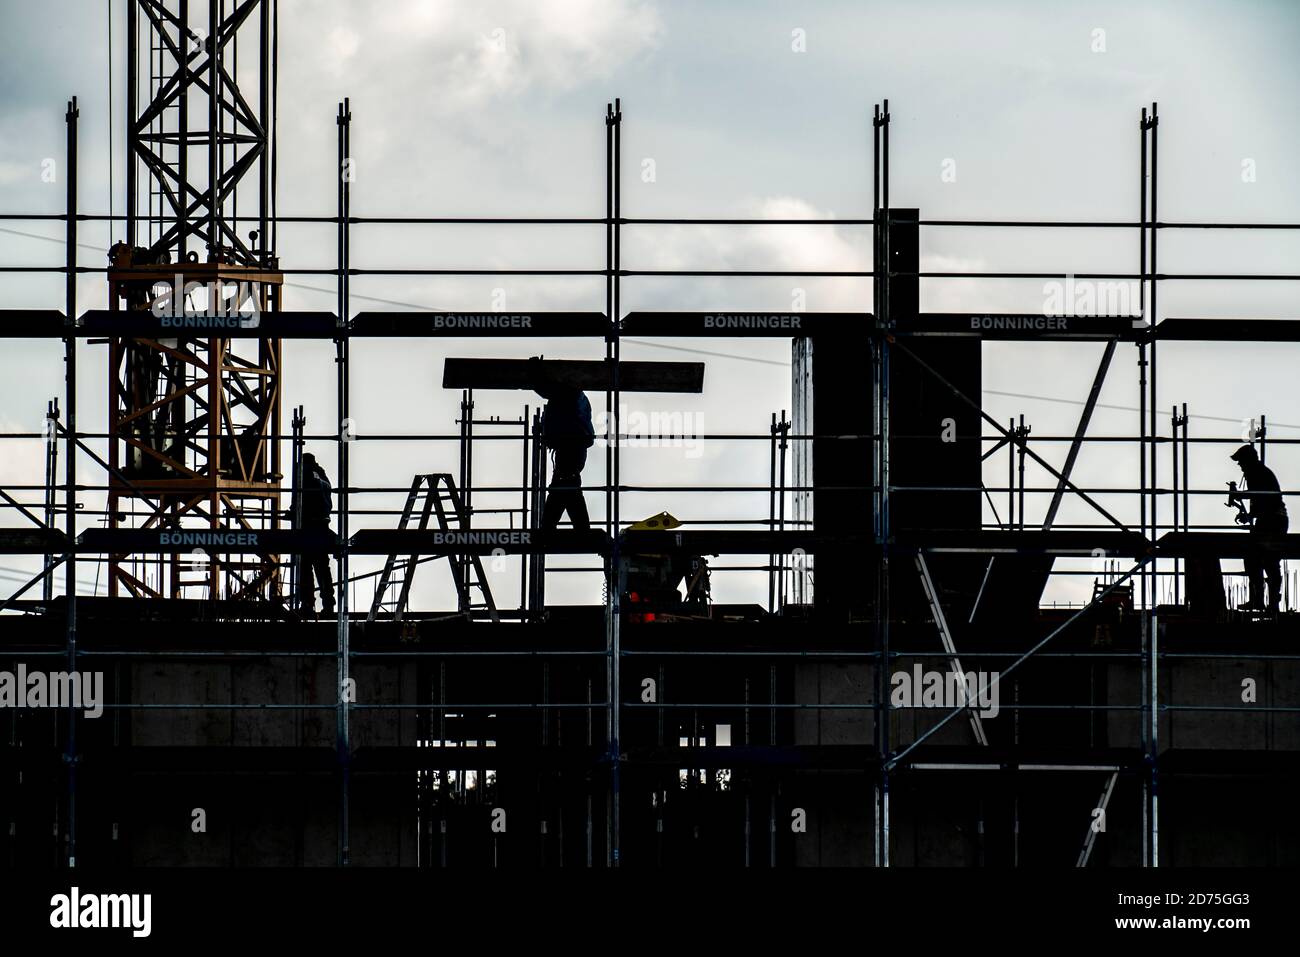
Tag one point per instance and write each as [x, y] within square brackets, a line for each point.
[1021, 434]
[298, 423]
[771, 515]
[51, 490]
[132, 81]
[1011, 476]
[616, 319]
[1182, 481]
[1153, 403]
[883, 270]
[264, 107]
[182, 133]
[70, 470]
[877, 347]
[537, 566]
[609, 312]
[344, 435]
[1142, 368]
[466, 472]
[1154, 643]
[616, 650]
[1142, 502]
[215, 118]
[1187, 441]
[524, 519]
[611, 567]
[1175, 425]
[780, 495]
[1154, 734]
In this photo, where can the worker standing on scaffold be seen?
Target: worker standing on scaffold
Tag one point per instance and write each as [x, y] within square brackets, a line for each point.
[313, 503]
[1268, 522]
[568, 432]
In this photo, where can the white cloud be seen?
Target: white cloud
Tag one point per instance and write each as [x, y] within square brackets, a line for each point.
[342, 44]
[798, 247]
[469, 55]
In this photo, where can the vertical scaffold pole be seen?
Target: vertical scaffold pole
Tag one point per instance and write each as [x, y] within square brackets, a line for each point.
[70, 472]
[1142, 504]
[1154, 627]
[881, 269]
[877, 344]
[344, 436]
[616, 693]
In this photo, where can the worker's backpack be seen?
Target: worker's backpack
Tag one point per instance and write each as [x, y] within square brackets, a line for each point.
[318, 500]
[568, 423]
[588, 430]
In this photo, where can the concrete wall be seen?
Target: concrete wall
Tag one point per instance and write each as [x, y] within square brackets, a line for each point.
[273, 818]
[968, 818]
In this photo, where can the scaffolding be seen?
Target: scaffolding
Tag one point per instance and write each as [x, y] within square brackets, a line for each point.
[1148, 556]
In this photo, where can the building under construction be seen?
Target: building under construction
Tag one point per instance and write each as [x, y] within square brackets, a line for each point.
[1152, 725]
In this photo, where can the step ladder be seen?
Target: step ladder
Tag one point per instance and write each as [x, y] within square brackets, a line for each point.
[432, 496]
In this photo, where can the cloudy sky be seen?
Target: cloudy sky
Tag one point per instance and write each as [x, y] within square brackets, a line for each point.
[752, 109]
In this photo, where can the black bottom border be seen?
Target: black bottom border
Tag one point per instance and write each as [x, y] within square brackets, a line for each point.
[578, 909]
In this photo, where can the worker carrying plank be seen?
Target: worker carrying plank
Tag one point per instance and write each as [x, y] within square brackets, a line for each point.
[1268, 522]
[568, 432]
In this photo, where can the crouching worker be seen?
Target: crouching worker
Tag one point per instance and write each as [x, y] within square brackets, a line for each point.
[313, 502]
[568, 432]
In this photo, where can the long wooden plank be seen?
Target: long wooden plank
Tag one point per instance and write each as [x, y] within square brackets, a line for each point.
[595, 376]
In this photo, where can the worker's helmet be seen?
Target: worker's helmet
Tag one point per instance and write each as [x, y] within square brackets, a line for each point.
[1245, 454]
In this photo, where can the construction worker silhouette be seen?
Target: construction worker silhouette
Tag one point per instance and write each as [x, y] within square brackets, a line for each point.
[313, 502]
[1268, 522]
[568, 432]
